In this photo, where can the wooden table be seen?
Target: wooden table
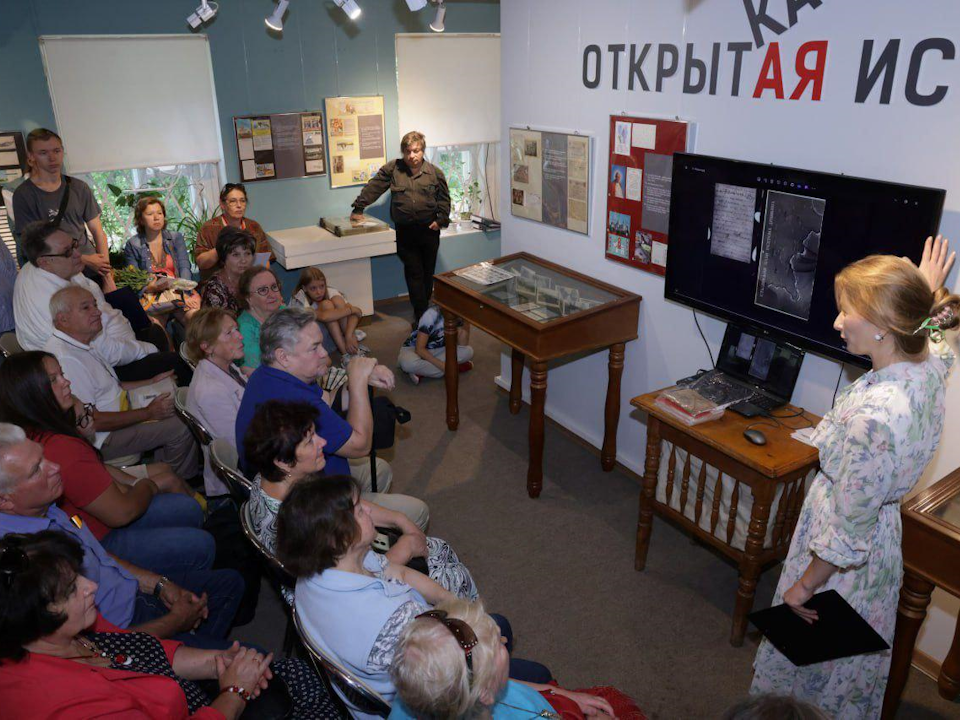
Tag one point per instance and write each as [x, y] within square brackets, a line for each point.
[931, 558]
[782, 463]
[611, 323]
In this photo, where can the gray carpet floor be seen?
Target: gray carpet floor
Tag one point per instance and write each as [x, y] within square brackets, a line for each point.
[561, 567]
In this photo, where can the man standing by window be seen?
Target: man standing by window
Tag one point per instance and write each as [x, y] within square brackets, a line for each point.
[419, 207]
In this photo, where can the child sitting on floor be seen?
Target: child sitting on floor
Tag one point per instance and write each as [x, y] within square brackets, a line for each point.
[339, 317]
[423, 353]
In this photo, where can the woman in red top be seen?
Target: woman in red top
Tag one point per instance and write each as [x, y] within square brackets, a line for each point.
[59, 657]
[233, 208]
[159, 532]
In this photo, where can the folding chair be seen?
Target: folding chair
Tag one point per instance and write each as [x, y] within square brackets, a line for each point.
[223, 457]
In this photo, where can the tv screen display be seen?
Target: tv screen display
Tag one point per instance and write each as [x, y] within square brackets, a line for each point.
[761, 244]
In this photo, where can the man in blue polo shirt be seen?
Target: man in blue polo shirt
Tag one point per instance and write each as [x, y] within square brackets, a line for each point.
[128, 596]
[292, 358]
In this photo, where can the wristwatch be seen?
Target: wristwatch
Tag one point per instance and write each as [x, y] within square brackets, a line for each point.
[161, 583]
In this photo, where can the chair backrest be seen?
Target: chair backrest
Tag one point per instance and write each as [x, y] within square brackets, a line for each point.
[9, 344]
[223, 458]
[204, 437]
[272, 560]
[357, 693]
[186, 358]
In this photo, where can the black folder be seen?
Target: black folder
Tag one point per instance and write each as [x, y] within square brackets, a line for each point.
[839, 632]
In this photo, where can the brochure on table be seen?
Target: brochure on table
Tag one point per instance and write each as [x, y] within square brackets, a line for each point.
[638, 189]
[284, 145]
[550, 178]
[357, 139]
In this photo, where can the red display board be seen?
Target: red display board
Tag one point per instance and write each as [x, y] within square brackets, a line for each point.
[638, 189]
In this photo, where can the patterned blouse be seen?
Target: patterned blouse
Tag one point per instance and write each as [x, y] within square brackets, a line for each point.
[217, 294]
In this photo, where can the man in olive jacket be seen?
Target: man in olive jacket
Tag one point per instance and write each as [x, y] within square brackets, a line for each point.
[419, 207]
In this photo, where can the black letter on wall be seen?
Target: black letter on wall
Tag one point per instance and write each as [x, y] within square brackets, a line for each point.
[914, 96]
[886, 65]
[595, 51]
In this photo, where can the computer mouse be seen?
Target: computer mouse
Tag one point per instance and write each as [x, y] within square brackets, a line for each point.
[755, 436]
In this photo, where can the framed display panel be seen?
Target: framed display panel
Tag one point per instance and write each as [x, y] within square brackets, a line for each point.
[357, 137]
[550, 178]
[13, 156]
[280, 146]
[638, 184]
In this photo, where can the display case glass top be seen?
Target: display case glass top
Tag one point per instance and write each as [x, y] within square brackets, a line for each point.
[344, 226]
[940, 501]
[533, 288]
[948, 510]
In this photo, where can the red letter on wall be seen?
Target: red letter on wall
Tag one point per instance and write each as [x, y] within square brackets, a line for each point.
[809, 75]
[771, 66]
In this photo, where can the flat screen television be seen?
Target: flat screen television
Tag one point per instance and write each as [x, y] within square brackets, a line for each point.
[760, 245]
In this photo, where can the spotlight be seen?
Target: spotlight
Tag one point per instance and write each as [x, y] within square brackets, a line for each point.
[275, 21]
[415, 5]
[437, 24]
[205, 12]
[350, 7]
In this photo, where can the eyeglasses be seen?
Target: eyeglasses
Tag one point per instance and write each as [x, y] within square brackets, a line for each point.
[66, 253]
[462, 633]
[86, 418]
[263, 291]
[13, 560]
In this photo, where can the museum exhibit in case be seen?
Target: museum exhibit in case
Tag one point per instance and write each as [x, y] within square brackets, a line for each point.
[542, 311]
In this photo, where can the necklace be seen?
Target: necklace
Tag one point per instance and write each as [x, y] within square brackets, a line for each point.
[120, 659]
[533, 713]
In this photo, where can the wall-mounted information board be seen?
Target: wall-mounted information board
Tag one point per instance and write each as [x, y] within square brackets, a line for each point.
[285, 145]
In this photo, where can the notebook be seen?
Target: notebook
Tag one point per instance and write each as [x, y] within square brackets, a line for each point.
[838, 633]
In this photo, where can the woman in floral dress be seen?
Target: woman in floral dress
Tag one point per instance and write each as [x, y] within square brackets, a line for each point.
[874, 445]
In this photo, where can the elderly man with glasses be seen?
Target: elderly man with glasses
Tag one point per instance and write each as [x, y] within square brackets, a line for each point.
[53, 263]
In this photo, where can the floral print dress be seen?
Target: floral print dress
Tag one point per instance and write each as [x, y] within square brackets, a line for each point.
[874, 445]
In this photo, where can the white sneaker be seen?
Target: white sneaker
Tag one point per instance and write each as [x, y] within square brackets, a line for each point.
[359, 335]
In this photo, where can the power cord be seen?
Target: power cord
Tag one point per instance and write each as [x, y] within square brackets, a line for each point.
[842, 365]
[704, 338]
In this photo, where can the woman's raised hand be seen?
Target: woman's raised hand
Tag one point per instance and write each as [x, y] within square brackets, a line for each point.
[937, 260]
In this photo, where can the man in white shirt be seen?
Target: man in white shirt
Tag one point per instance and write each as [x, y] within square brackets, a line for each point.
[54, 263]
[77, 321]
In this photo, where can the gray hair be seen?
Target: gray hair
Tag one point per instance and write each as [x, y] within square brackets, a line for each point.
[10, 435]
[62, 300]
[282, 330]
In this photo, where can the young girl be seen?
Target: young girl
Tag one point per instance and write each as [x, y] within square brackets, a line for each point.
[332, 309]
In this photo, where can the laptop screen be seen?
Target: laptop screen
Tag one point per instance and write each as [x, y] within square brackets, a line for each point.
[760, 361]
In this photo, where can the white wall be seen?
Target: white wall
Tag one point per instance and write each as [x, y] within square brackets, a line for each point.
[542, 56]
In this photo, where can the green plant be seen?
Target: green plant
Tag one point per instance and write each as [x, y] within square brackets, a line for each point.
[191, 222]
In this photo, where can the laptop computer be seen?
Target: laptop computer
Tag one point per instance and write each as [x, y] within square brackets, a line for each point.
[755, 371]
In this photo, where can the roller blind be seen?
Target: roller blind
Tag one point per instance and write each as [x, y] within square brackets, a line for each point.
[132, 101]
[448, 87]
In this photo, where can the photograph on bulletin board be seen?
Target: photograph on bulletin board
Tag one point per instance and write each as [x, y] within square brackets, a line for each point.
[638, 182]
[355, 131]
[280, 146]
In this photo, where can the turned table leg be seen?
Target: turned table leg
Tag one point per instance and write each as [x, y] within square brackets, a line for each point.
[611, 414]
[651, 466]
[516, 381]
[750, 565]
[949, 680]
[914, 599]
[538, 397]
[451, 372]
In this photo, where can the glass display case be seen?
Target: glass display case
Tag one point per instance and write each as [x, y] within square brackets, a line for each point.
[344, 226]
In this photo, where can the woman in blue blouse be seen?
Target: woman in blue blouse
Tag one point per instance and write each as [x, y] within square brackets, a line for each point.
[154, 248]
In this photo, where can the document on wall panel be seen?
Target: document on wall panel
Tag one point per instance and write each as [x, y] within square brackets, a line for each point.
[282, 145]
[526, 174]
[355, 128]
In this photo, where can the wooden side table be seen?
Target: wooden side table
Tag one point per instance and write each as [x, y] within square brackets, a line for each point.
[931, 558]
[783, 461]
[594, 315]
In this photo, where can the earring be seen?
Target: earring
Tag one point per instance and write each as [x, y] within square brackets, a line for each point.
[878, 337]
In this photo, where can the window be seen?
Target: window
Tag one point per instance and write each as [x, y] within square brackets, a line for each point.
[471, 176]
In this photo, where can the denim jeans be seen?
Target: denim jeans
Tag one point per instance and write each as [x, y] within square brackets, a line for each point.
[526, 670]
[166, 539]
[224, 589]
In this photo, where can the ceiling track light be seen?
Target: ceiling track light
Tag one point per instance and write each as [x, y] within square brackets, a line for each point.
[275, 20]
[204, 12]
[350, 7]
[437, 24]
[416, 5]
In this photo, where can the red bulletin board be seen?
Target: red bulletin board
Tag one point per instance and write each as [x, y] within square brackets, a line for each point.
[638, 189]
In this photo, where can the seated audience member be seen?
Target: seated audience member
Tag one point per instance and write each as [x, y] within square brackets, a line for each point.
[774, 707]
[424, 353]
[260, 297]
[214, 344]
[233, 206]
[338, 318]
[235, 249]
[452, 663]
[54, 263]
[282, 448]
[158, 532]
[59, 657]
[120, 430]
[352, 602]
[159, 251]
[293, 358]
[168, 606]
